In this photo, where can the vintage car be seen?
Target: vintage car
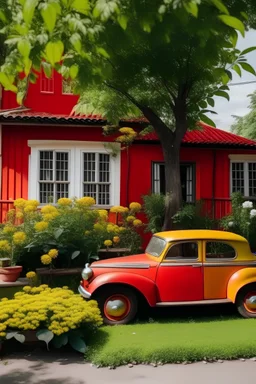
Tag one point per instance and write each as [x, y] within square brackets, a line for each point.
[189, 267]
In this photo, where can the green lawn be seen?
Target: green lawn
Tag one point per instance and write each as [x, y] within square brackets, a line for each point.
[175, 341]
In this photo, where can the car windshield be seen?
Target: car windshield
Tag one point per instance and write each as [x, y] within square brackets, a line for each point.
[156, 246]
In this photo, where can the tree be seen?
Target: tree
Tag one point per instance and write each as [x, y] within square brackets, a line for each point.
[163, 59]
[246, 125]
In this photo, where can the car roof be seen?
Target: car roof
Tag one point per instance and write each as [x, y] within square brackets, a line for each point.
[200, 234]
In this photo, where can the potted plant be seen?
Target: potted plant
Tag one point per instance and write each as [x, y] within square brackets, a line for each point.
[9, 272]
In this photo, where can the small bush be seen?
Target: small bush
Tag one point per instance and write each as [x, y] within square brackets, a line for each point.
[58, 315]
[191, 217]
[154, 208]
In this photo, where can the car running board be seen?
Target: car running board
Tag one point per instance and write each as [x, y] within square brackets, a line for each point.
[200, 302]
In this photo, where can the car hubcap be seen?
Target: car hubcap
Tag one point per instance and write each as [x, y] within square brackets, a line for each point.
[117, 307]
[250, 302]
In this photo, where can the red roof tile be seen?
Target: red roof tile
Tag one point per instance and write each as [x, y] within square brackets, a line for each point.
[205, 135]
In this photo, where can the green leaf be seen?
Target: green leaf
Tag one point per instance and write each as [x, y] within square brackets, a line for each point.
[101, 51]
[245, 16]
[191, 8]
[205, 119]
[19, 337]
[248, 68]
[247, 50]
[233, 22]
[10, 335]
[75, 254]
[60, 341]
[225, 78]
[20, 98]
[237, 69]
[234, 38]
[73, 71]
[211, 102]
[29, 9]
[54, 51]
[122, 20]
[49, 15]
[45, 335]
[224, 88]
[2, 16]
[75, 40]
[81, 6]
[77, 343]
[222, 94]
[221, 7]
[24, 47]
[47, 68]
[7, 83]
[203, 104]
[27, 66]
[58, 233]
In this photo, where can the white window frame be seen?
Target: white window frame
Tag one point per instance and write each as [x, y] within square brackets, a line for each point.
[245, 159]
[76, 150]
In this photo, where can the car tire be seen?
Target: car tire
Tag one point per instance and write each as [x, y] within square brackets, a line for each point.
[245, 306]
[118, 305]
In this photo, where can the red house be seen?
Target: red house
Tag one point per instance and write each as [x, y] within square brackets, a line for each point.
[47, 154]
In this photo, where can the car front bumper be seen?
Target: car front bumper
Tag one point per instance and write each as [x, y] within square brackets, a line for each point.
[85, 294]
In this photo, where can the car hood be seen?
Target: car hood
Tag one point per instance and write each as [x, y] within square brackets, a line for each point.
[128, 262]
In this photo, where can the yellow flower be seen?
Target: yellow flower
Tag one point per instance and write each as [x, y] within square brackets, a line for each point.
[19, 237]
[112, 228]
[130, 219]
[2, 334]
[20, 203]
[5, 246]
[30, 208]
[122, 229]
[137, 223]
[103, 214]
[53, 253]
[31, 275]
[116, 239]
[108, 243]
[65, 202]
[98, 227]
[9, 229]
[11, 213]
[119, 209]
[136, 207]
[50, 216]
[41, 226]
[87, 233]
[127, 131]
[85, 202]
[19, 215]
[35, 203]
[46, 259]
[49, 209]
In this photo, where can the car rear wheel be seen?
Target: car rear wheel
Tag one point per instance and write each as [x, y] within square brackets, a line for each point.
[118, 305]
[246, 301]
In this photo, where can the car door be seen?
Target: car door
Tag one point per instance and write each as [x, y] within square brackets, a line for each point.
[180, 275]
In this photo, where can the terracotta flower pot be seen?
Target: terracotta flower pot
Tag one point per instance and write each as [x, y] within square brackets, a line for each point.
[10, 274]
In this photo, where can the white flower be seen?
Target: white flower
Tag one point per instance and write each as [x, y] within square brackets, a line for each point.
[231, 224]
[253, 213]
[247, 204]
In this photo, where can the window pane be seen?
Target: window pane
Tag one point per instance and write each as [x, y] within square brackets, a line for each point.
[183, 251]
[46, 165]
[90, 190]
[61, 191]
[62, 166]
[104, 197]
[252, 179]
[104, 168]
[156, 246]
[238, 177]
[46, 193]
[218, 250]
[89, 167]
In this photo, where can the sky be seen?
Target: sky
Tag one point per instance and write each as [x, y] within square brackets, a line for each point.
[239, 100]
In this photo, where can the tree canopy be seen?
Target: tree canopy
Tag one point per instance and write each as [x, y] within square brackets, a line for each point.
[246, 125]
[164, 59]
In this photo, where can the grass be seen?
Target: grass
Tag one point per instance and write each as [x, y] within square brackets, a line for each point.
[174, 341]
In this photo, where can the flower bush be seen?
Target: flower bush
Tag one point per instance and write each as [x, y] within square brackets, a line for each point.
[58, 315]
[66, 235]
[242, 219]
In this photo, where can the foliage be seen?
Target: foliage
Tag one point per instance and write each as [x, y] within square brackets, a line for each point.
[246, 125]
[58, 315]
[193, 340]
[154, 210]
[242, 219]
[192, 216]
[65, 235]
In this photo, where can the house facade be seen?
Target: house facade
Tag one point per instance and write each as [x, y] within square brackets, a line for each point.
[47, 154]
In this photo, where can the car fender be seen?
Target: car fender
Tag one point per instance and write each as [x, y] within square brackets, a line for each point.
[238, 280]
[144, 285]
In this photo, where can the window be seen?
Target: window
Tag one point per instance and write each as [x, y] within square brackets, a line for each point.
[68, 86]
[185, 250]
[156, 246]
[46, 84]
[243, 178]
[219, 250]
[187, 174]
[73, 169]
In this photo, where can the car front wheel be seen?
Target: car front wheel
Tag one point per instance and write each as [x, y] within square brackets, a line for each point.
[246, 301]
[118, 305]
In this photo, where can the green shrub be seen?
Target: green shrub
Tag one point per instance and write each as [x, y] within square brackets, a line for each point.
[191, 216]
[154, 208]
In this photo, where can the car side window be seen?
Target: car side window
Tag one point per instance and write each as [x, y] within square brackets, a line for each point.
[185, 250]
[219, 250]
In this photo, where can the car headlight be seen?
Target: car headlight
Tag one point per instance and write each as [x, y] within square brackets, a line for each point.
[87, 272]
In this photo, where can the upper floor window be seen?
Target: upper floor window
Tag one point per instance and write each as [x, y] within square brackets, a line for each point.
[243, 178]
[59, 169]
[187, 174]
[46, 84]
[68, 86]
[183, 250]
[219, 250]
